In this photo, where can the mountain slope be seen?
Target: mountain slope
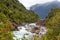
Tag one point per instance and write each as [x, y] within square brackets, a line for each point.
[12, 12]
[52, 22]
[43, 9]
[16, 12]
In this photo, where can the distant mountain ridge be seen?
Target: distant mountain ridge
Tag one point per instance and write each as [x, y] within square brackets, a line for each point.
[43, 9]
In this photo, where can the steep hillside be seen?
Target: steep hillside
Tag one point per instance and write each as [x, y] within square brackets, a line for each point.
[16, 12]
[52, 22]
[13, 12]
[43, 9]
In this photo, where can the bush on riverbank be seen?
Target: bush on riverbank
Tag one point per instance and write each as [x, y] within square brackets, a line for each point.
[5, 27]
[53, 24]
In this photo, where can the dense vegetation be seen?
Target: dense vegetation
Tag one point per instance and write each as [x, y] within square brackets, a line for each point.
[53, 24]
[16, 12]
[5, 27]
[11, 11]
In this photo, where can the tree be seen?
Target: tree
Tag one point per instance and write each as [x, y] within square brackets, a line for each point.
[52, 22]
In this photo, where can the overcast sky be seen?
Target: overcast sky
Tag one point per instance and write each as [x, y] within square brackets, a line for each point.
[28, 3]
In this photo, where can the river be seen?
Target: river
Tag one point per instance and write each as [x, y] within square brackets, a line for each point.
[25, 32]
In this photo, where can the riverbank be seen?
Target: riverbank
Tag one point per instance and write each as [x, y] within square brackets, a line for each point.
[29, 30]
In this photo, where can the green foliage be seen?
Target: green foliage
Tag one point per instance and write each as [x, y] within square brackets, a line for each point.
[13, 11]
[5, 27]
[52, 22]
[58, 37]
[16, 12]
[36, 38]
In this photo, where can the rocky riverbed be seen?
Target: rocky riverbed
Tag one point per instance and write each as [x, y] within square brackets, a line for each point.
[27, 31]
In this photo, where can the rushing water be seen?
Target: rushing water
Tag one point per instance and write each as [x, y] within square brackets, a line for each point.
[21, 33]
[25, 33]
